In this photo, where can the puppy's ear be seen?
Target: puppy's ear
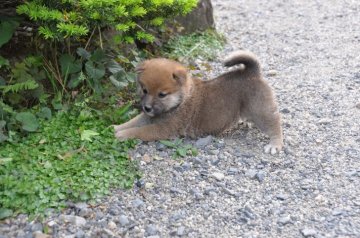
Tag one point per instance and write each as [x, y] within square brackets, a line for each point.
[180, 75]
[140, 67]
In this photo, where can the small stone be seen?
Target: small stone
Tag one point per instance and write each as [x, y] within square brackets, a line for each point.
[232, 171]
[281, 197]
[149, 186]
[180, 231]
[358, 106]
[140, 183]
[272, 72]
[307, 232]
[186, 166]
[251, 173]
[228, 191]
[202, 142]
[137, 203]
[151, 230]
[284, 220]
[175, 190]
[146, 158]
[337, 212]
[198, 160]
[81, 205]
[112, 225]
[285, 110]
[51, 223]
[160, 146]
[85, 212]
[260, 176]
[218, 176]
[38, 234]
[123, 220]
[37, 227]
[80, 234]
[108, 232]
[324, 121]
[75, 220]
[213, 152]
[215, 161]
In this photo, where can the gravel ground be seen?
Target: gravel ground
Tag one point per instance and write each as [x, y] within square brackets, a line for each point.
[310, 55]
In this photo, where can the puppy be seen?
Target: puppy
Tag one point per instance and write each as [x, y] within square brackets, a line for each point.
[175, 104]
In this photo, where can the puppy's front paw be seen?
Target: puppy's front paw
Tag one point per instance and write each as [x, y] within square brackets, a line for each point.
[272, 148]
[117, 127]
[121, 135]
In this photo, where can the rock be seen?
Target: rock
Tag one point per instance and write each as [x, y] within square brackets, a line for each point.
[123, 220]
[109, 233]
[218, 176]
[260, 176]
[228, 191]
[75, 220]
[324, 121]
[180, 231]
[85, 212]
[112, 225]
[137, 203]
[272, 72]
[202, 142]
[151, 230]
[38, 234]
[284, 220]
[281, 196]
[232, 171]
[199, 19]
[285, 110]
[215, 161]
[80, 234]
[358, 106]
[251, 173]
[307, 232]
[37, 227]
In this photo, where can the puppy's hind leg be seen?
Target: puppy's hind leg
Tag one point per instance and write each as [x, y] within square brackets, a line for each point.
[139, 120]
[270, 123]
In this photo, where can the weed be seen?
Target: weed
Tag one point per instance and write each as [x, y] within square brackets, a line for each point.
[203, 45]
[74, 156]
[180, 149]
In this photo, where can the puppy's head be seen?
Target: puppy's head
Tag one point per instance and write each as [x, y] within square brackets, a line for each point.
[162, 83]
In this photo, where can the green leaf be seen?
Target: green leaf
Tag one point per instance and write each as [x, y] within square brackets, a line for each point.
[98, 55]
[114, 67]
[93, 72]
[7, 29]
[5, 160]
[4, 213]
[76, 79]
[83, 53]
[45, 112]
[28, 121]
[182, 151]
[3, 62]
[87, 134]
[168, 143]
[119, 80]
[69, 65]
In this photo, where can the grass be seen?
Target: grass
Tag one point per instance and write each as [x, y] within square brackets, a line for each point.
[73, 157]
[203, 45]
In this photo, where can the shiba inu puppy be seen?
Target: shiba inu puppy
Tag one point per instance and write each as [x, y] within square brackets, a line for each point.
[175, 104]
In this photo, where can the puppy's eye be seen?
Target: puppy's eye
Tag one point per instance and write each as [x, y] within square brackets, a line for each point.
[145, 91]
[162, 95]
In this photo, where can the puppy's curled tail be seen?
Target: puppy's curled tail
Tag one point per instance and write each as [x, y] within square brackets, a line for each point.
[243, 57]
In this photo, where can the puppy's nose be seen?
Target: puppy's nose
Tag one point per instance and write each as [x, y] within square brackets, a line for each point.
[147, 109]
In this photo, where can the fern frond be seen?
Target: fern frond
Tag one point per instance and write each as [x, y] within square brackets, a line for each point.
[17, 87]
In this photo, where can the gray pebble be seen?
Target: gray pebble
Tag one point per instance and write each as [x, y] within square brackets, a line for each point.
[137, 202]
[80, 234]
[218, 176]
[37, 227]
[151, 230]
[284, 220]
[75, 220]
[181, 231]
[202, 142]
[260, 176]
[251, 173]
[123, 220]
[308, 232]
[232, 171]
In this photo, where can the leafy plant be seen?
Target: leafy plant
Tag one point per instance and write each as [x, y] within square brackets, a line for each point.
[55, 165]
[132, 19]
[180, 149]
[203, 45]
